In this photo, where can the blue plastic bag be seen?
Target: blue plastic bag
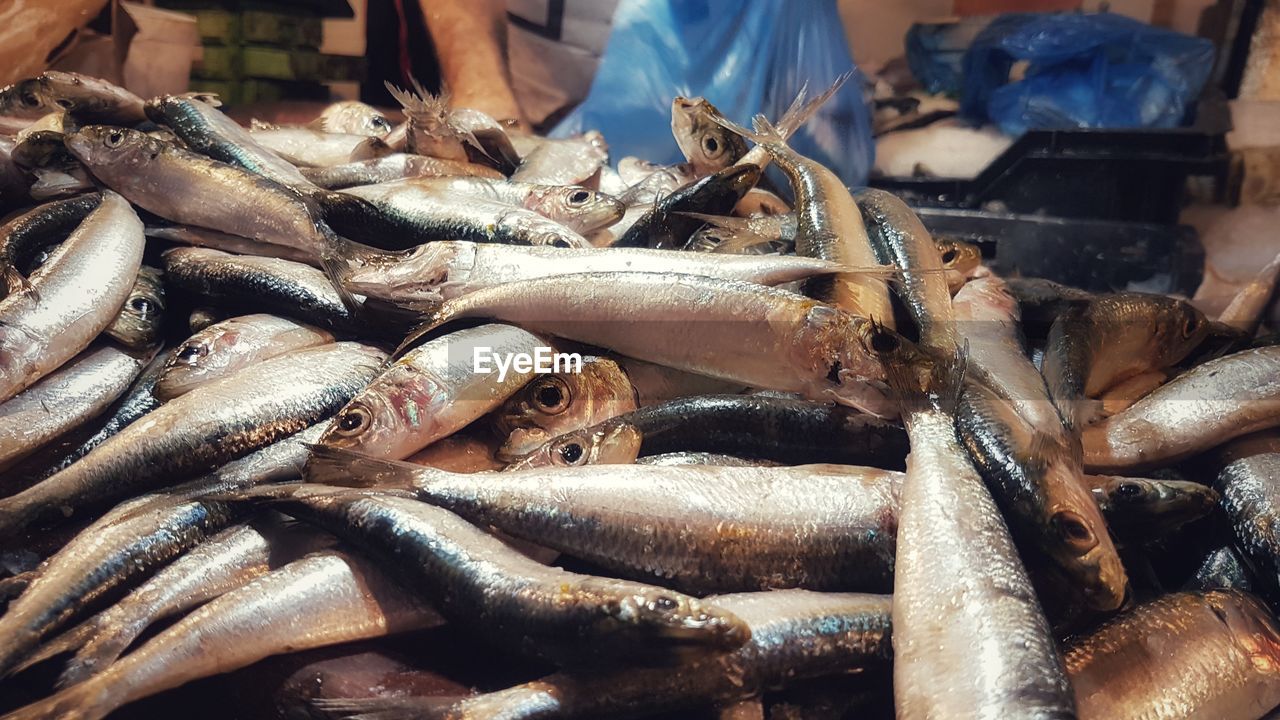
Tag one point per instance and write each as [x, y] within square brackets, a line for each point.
[1096, 71]
[745, 57]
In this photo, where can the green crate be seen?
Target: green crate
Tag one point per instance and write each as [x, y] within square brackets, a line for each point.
[219, 63]
[285, 29]
[271, 90]
[279, 64]
[218, 26]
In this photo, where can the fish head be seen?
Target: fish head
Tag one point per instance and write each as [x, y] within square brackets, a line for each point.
[758, 201]
[610, 443]
[101, 146]
[395, 416]
[1078, 541]
[577, 207]
[25, 99]
[355, 118]
[543, 231]
[959, 261]
[707, 145]
[834, 347]
[204, 356]
[674, 620]
[1154, 506]
[1180, 328]
[138, 323]
[557, 403]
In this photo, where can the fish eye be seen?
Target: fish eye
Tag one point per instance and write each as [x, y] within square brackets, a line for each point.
[1190, 325]
[1073, 530]
[711, 146]
[572, 453]
[114, 138]
[579, 197]
[551, 395]
[1127, 490]
[29, 99]
[883, 341]
[949, 256]
[560, 243]
[380, 123]
[191, 353]
[664, 603]
[142, 306]
[352, 421]
[63, 103]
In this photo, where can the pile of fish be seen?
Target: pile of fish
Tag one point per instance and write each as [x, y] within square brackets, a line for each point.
[666, 439]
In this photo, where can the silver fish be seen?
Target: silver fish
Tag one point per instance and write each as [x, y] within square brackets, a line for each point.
[571, 161]
[91, 99]
[306, 147]
[396, 166]
[575, 207]
[138, 324]
[352, 116]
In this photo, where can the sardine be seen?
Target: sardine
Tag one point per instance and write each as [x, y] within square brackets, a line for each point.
[65, 399]
[423, 277]
[206, 427]
[648, 182]
[23, 237]
[575, 207]
[961, 262]
[1251, 500]
[323, 599]
[555, 403]
[230, 346]
[352, 116]
[667, 226]
[234, 244]
[730, 235]
[571, 161]
[1203, 407]
[1140, 511]
[676, 459]
[431, 127]
[696, 324]
[706, 529]
[795, 634]
[1245, 310]
[1213, 655]
[708, 146]
[77, 294]
[656, 384]
[306, 147]
[434, 391]
[138, 324]
[89, 99]
[609, 443]
[473, 579]
[1221, 568]
[396, 166]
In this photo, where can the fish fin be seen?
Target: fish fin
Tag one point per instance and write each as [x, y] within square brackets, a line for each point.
[17, 284]
[370, 149]
[13, 586]
[333, 265]
[796, 115]
[256, 124]
[336, 466]
[77, 701]
[922, 380]
[388, 708]
[68, 642]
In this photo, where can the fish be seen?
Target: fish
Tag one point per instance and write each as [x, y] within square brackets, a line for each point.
[13, 180]
[568, 161]
[25, 236]
[276, 286]
[666, 226]
[463, 451]
[955, 552]
[608, 443]
[784, 430]
[231, 345]
[66, 399]
[107, 555]
[795, 634]
[1222, 567]
[90, 99]
[162, 178]
[208, 426]
[226, 561]
[473, 579]
[1203, 407]
[695, 324]
[433, 391]
[961, 262]
[492, 144]
[396, 166]
[899, 239]
[234, 244]
[432, 127]
[1219, 657]
[1141, 511]
[555, 403]
[708, 529]
[707, 146]
[140, 319]
[323, 599]
[648, 182]
[573, 206]
[1113, 339]
[729, 235]
[1043, 301]
[354, 117]
[702, 458]
[1245, 311]
[759, 202]
[656, 384]
[424, 277]
[306, 147]
[78, 292]
[1246, 482]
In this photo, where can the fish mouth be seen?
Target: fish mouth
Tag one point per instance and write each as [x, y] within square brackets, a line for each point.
[718, 632]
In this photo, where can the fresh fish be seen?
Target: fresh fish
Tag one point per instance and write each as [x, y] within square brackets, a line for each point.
[229, 346]
[306, 147]
[730, 235]
[1141, 511]
[492, 143]
[575, 207]
[207, 130]
[78, 292]
[234, 244]
[432, 128]
[792, 432]
[422, 214]
[1251, 500]
[1250, 302]
[555, 403]
[425, 276]
[1222, 567]
[571, 161]
[667, 225]
[650, 183]
[696, 324]
[899, 239]
[272, 285]
[462, 451]
[138, 324]
[1112, 339]
[206, 427]
[656, 384]
[224, 562]
[323, 599]
[961, 262]
[706, 529]
[991, 653]
[608, 443]
[473, 579]
[89, 99]
[1203, 407]
[163, 179]
[25, 236]
[13, 181]
[396, 166]
[1043, 301]
[1213, 655]
[758, 202]
[65, 399]
[433, 391]
[354, 117]
[105, 556]
[676, 459]
[795, 634]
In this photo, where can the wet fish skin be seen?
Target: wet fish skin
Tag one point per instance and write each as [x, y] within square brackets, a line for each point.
[352, 116]
[206, 427]
[396, 166]
[1219, 658]
[577, 208]
[568, 161]
[138, 324]
[666, 226]
[1221, 568]
[556, 403]
[708, 146]
[78, 292]
[88, 98]
[1139, 510]
[323, 599]
[215, 240]
[1203, 407]
[22, 238]
[431, 392]
[307, 147]
[608, 443]
[472, 578]
[1246, 482]
[231, 345]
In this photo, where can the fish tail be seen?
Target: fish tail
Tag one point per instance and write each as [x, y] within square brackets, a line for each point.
[69, 641]
[17, 284]
[337, 466]
[800, 111]
[387, 708]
